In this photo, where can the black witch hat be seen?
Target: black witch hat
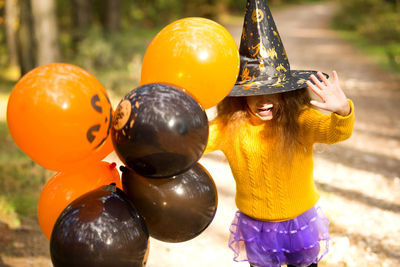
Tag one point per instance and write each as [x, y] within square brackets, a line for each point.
[264, 65]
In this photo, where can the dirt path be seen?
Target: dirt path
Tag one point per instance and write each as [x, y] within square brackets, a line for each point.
[359, 179]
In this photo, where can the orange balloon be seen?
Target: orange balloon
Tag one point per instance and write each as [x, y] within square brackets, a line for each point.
[65, 187]
[105, 149]
[97, 155]
[59, 114]
[196, 54]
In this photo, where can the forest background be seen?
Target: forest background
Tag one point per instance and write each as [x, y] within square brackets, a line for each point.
[109, 37]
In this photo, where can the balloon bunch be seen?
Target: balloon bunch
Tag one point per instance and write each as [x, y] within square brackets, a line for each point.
[61, 116]
[160, 129]
[159, 132]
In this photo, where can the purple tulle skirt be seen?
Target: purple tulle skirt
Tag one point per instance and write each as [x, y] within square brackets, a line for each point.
[300, 241]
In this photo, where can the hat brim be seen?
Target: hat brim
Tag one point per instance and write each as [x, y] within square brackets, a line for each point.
[296, 80]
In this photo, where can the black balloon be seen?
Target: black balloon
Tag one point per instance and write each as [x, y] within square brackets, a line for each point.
[102, 229]
[175, 209]
[159, 131]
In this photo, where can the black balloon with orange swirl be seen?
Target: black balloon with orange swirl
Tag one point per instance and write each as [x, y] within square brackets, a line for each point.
[159, 130]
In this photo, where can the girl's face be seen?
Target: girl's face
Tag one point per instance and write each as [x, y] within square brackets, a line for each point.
[263, 107]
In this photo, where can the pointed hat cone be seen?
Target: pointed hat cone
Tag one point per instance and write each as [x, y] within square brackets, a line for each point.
[264, 65]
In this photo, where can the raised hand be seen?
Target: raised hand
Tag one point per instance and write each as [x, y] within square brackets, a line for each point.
[331, 94]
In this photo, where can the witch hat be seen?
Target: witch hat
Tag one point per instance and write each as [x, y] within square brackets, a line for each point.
[264, 65]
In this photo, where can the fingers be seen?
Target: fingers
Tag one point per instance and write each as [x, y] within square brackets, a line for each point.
[323, 78]
[316, 90]
[335, 76]
[325, 82]
[316, 81]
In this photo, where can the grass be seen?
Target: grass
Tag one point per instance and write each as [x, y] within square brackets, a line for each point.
[8, 214]
[21, 181]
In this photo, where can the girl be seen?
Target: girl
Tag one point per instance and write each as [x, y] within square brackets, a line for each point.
[266, 128]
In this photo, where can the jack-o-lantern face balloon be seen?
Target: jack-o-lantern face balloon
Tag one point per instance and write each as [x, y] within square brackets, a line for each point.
[99, 131]
[59, 114]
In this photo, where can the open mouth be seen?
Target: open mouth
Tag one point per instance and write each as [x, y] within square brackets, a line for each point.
[265, 110]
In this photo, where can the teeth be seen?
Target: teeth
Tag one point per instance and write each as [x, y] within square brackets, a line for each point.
[266, 107]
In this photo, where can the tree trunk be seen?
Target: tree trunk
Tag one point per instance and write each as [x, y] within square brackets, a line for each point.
[82, 16]
[46, 31]
[25, 40]
[11, 24]
[112, 15]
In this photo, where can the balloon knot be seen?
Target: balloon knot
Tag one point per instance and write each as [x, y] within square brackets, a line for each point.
[111, 188]
[123, 168]
[113, 165]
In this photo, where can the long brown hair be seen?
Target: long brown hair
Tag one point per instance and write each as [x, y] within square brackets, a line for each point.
[234, 110]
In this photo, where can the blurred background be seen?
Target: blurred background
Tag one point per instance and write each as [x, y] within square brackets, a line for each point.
[108, 38]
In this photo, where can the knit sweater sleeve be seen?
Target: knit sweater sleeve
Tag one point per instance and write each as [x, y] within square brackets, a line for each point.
[215, 136]
[327, 129]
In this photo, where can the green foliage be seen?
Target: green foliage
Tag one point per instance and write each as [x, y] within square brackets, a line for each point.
[366, 16]
[115, 59]
[393, 54]
[8, 214]
[151, 13]
[375, 21]
[95, 51]
[351, 13]
[237, 6]
[383, 28]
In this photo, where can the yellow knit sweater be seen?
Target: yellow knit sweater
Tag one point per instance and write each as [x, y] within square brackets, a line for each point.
[269, 187]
